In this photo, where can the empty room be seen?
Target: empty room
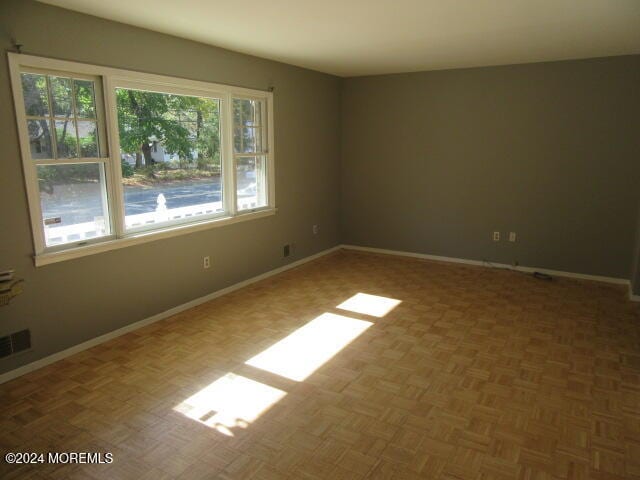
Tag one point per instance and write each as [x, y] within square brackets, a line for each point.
[320, 240]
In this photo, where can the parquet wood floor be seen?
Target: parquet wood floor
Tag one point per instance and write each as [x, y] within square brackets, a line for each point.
[476, 374]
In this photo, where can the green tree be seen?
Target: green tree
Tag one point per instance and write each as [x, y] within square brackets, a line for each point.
[207, 133]
[182, 124]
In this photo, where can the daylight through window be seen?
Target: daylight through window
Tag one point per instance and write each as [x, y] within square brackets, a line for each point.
[111, 154]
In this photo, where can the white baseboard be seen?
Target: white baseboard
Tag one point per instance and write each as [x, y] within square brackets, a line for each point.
[557, 273]
[30, 367]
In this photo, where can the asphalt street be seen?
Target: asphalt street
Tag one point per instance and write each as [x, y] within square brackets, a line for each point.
[82, 202]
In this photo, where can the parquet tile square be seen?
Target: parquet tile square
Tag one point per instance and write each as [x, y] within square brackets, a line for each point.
[476, 374]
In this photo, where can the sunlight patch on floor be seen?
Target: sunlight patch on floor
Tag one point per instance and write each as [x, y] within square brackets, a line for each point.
[235, 401]
[309, 347]
[373, 305]
[232, 401]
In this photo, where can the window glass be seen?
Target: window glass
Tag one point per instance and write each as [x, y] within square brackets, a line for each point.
[170, 157]
[85, 101]
[61, 94]
[39, 139]
[248, 128]
[251, 182]
[170, 166]
[73, 202]
[248, 140]
[34, 91]
[66, 100]
[88, 138]
[66, 138]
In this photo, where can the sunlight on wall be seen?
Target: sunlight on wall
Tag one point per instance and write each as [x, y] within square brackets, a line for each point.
[308, 348]
[373, 305]
[232, 401]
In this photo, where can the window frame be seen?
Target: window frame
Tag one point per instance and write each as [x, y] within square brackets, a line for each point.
[107, 79]
[153, 86]
[264, 152]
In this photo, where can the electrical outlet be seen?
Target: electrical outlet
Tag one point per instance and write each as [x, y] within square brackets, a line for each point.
[496, 236]
[316, 229]
[206, 262]
[512, 236]
[286, 250]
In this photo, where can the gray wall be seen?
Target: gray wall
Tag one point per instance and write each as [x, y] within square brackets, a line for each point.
[431, 162]
[434, 162]
[72, 301]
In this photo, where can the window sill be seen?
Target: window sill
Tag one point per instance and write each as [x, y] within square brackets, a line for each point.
[144, 237]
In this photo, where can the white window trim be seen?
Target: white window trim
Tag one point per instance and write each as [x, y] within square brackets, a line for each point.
[112, 78]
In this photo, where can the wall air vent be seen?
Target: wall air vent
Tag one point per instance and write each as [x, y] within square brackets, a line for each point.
[15, 343]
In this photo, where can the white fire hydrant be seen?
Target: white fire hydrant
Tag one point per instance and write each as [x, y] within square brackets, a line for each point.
[161, 208]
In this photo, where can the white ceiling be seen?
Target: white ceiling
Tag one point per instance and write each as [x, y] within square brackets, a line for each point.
[363, 37]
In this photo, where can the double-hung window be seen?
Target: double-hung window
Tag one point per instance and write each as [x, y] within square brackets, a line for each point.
[114, 157]
[250, 153]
